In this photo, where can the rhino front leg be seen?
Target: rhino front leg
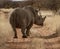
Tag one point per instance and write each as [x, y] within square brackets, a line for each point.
[28, 28]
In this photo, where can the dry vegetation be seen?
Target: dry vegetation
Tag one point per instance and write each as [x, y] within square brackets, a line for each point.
[51, 24]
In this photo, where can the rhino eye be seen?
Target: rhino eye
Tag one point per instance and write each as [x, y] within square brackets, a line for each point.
[38, 17]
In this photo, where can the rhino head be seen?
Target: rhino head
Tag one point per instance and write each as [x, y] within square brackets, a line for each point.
[39, 20]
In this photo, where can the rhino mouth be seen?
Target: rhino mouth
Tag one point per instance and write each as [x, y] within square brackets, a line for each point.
[41, 24]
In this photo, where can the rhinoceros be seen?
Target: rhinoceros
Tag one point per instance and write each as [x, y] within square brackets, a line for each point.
[24, 18]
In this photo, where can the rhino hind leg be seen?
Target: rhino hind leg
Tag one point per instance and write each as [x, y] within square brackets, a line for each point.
[23, 30]
[15, 36]
[26, 32]
[13, 27]
[15, 32]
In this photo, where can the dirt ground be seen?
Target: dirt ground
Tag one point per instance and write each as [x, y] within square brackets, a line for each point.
[7, 41]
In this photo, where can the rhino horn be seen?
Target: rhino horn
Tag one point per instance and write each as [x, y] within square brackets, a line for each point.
[44, 18]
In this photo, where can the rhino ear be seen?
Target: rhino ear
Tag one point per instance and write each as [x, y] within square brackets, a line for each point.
[38, 9]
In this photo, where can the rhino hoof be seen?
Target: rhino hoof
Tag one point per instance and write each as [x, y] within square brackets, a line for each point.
[24, 36]
[15, 37]
[28, 35]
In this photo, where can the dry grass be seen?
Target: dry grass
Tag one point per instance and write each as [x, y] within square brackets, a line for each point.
[6, 31]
